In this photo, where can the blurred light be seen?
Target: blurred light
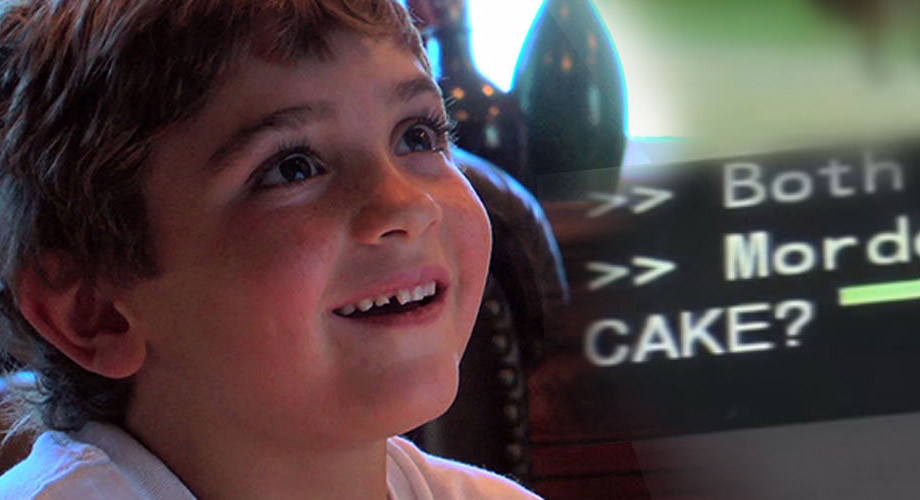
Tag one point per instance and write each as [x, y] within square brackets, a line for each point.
[498, 33]
[434, 56]
[566, 63]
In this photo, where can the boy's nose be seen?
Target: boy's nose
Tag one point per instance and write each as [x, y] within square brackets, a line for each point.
[398, 206]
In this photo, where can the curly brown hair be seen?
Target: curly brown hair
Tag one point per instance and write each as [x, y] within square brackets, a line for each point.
[86, 88]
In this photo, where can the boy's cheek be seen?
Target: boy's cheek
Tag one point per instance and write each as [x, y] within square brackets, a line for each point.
[290, 243]
[472, 240]
[476, 234]
[256, 272]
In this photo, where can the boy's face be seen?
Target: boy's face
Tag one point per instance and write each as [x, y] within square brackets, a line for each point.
[298, 191]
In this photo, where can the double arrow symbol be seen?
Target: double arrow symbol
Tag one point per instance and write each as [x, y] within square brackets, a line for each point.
[653, 198]
[655, 268]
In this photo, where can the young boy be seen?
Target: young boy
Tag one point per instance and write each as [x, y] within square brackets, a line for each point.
[234, 248]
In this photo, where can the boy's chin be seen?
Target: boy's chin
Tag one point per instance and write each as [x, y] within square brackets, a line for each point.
[426, 401]
[436, 409]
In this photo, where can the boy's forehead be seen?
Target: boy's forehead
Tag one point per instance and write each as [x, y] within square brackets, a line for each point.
[336, 43]
[388, 60]
[262, 94]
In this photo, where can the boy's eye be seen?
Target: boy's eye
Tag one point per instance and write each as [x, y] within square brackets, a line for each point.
[419, 138]
[290, 169]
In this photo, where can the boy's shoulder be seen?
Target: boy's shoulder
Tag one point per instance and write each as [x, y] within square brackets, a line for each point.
[99, 461]
[412, 473]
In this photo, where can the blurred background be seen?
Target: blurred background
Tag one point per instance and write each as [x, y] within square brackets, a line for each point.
[618, 118]
[709, 78]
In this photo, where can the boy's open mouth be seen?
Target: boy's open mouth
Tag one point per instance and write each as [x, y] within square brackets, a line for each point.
[398, 302]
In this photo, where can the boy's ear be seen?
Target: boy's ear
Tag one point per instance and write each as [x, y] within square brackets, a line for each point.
[80, 320]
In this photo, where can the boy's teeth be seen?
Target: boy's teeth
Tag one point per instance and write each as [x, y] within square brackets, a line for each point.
[403, 296]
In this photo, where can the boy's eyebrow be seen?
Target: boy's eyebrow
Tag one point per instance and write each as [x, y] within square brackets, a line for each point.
[409, 89]
[292, 118]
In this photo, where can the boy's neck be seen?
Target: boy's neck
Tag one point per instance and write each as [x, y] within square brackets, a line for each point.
[228, 467]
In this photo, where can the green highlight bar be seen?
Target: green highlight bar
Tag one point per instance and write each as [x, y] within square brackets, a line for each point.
[894, 291]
